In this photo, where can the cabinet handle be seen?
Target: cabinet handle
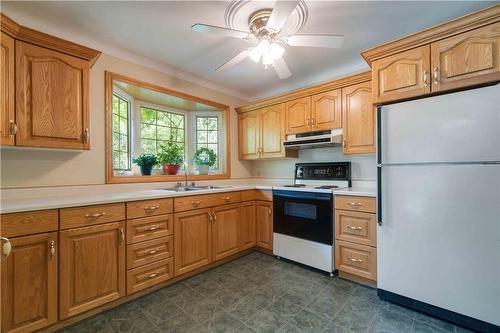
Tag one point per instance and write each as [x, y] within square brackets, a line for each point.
[150, 228]
[6, 248]
[355, 204]
[354, 259]
[153, 251]
[52, 249]
[151, 208]
[215, 217]
[426, 78]
[226, 199]
[153, 275]
[354, 228]
[313, 121]
[94, 216]
[344, 143]
[196, 203]
[122, 234]
[86, 135]
[12, 128]
[210, 218]
[436, 75]
[269, 211]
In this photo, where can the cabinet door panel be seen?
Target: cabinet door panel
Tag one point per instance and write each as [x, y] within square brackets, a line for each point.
[92, 267]
[249, 135]
[327, 110]
[468, 59]
[192, 240]
[7, 89]
[29, 284]
[52, 98]
[298, 115]
[225, 231]
[358, 119]
[403, 75]
[247, 225]
[264, 213]
[273, 131]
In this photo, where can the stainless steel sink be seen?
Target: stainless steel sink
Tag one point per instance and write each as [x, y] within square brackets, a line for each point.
[194, 188]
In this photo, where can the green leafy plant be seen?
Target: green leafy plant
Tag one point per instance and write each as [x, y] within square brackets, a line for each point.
[145, 160]
[204, 156]
[171, 153]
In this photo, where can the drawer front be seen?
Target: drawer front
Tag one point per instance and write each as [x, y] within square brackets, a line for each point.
[145, 208]
[143, 253]
[257, 195]
[148, 228]
[360, 260]
[203, 201]
[28, 223]
[351, 202]
[149, 275]
[90, 215]
[356, 227]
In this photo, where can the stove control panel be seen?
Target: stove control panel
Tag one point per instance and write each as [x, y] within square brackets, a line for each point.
[323, 171]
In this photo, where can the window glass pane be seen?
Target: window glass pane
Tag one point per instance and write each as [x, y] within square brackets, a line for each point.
[148, 146]
[162, 133]
[212, 136]
[207, 135]
[148, 131]
[148, 116]
[120, 137]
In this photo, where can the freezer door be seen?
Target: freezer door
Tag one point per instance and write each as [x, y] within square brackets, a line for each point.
[440, 238]
[459, 127]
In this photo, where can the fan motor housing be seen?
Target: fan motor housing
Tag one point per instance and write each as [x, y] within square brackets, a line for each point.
[258, 23]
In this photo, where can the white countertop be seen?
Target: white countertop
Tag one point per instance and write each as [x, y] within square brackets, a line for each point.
[361, 191]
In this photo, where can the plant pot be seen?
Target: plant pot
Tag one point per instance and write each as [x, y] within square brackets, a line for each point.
[146, 170]
[171, 169]
[203, 169]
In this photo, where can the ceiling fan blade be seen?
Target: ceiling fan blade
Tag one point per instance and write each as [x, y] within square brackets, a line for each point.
[281, 11]
[221, 31]
[234, 60]
[331, 41]
[281, 68]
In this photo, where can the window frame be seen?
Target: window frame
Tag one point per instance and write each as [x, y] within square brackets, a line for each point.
[221, 141]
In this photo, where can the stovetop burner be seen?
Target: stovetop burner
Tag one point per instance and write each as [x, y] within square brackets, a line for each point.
[326, 187]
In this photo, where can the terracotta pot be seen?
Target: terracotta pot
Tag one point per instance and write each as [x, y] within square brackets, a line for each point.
[171, 169]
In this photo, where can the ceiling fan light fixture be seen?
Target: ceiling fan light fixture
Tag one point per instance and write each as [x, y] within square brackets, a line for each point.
[276, 51]
[255, 54]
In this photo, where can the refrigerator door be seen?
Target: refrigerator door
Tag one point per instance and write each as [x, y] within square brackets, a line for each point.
[458, 127]
[440, 238]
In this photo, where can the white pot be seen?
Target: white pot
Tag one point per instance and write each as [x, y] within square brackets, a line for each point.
[203, 169]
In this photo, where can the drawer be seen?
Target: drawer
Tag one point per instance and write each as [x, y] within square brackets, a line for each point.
[351, 202]
[144, 208]
[257, 195]
[356, 227]
[90, 215]
[203, 201]
[149, 275]
[360, 260]
[143, 253]
[28, 223]
[148, 228]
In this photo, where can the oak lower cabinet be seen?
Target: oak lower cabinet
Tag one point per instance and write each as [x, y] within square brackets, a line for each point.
[225, 231]
[91, 267]
[264, 221]
[247, 225]
[29, 283]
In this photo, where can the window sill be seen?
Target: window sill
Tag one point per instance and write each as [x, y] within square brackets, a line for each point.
[162, 178]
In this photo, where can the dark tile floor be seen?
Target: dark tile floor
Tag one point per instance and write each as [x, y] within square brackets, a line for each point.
[258, 293]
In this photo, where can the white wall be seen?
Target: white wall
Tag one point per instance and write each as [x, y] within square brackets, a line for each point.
[36, 168]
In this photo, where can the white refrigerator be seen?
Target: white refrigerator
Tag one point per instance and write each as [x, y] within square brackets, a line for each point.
[438, 238]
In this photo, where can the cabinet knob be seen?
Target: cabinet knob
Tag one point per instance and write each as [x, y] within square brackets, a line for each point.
[6, 248]
[436, 75]
[122, 234]
[86, 135]
[52, 248]
[12, 128]
[426, 78]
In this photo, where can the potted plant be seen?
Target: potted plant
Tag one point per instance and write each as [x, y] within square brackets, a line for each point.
[170, 157]
[146, 163]
[204, 158]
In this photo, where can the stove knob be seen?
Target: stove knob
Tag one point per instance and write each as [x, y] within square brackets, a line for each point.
[300, 172]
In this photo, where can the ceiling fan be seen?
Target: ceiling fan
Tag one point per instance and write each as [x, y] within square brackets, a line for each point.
[264, 30]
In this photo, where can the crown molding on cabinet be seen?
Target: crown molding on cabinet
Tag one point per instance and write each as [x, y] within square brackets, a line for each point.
[31, 36]
[457, 26]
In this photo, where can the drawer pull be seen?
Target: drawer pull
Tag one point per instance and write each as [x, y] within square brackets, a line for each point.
[151, 208]
[226, 199]
[153, 275]
[154, 251]
[94, 216]
[354, 228]
[354, 259]
[196, 203]
[355, 204]
[150, 228]
[52, 249]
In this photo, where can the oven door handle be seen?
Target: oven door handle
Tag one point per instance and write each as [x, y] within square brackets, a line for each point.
[303, 196]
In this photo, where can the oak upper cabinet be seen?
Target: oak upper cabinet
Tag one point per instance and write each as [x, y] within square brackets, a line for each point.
[225, 231]
[192, 240]
[298, 115]
[272, 131]
[358, 119]
[249, 135]
[403, 75]
[247, 225]
[7, 129]
[326, 110]
[264, 220]
[52, 103]
[467, 59]
[91, 267]
[29, 283]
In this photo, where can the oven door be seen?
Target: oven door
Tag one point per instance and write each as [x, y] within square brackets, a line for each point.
[305, 215]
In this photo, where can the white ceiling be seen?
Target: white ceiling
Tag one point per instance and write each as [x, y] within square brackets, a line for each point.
[158, 34]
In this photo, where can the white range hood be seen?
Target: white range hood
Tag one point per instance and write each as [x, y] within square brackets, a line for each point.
[314, 139]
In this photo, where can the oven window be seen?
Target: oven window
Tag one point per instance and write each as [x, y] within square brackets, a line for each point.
[300, 210]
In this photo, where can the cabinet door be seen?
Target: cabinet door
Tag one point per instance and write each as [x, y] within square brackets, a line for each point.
[403, 75]
[29, 283]
[327, 110]
[92, 267]
[273, 131]
[264, 213]
[225, 231]
[249, 135]
[192, 240]
[6, 89]
[358, 119]
[298, 115]
[52, 107]
[247, 225]
[468, 59]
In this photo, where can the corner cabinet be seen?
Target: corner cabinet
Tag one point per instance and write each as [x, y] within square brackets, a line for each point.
[7, 129]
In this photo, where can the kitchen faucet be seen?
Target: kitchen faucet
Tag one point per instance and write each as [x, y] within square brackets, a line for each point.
[185, 176]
